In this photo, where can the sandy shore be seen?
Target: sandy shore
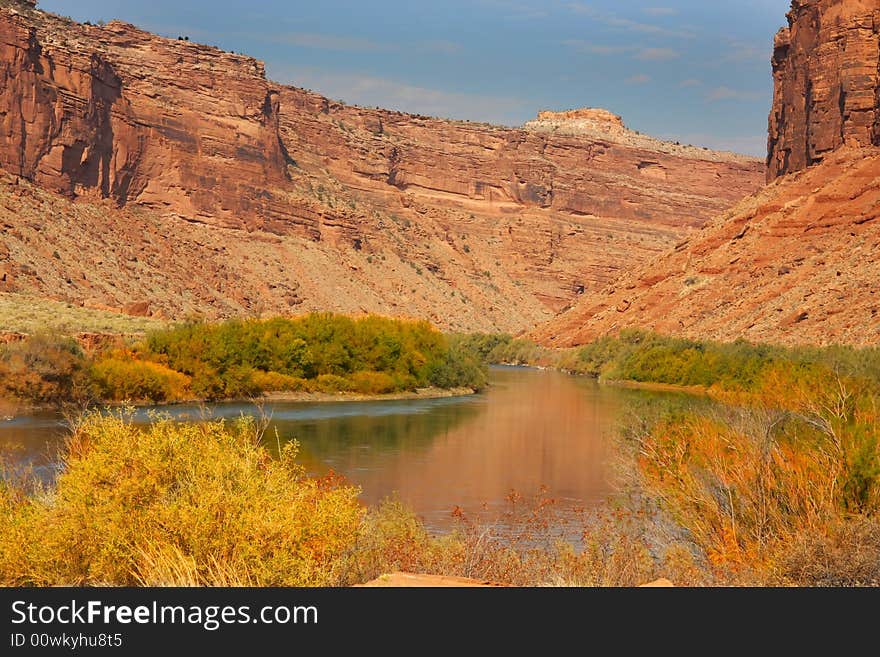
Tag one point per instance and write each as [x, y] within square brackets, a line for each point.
[421, 393]
[10, 410]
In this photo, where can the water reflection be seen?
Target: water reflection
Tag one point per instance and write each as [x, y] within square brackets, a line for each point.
[530, 429]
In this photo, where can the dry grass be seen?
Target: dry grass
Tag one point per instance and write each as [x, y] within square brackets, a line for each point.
[771, 494]
[26, 314]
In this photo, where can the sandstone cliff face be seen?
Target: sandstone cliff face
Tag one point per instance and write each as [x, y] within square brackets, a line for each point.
[118, 113]
[563, 213]
[826, 70]
[798, 263]
[469, 225]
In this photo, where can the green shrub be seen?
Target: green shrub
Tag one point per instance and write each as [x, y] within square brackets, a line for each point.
[334, 353]
[457, 368]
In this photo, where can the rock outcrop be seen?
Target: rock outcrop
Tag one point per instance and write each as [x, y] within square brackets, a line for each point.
[114, 112]
[826, 70]
[798, 263]
[469, 225]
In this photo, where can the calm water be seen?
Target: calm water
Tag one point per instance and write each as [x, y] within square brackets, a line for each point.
[530, 429]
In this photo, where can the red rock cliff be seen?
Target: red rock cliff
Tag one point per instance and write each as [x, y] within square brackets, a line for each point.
[826, 70]
[117, 112]
[469, 225]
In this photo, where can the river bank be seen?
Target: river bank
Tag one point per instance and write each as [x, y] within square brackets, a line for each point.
[10, 409]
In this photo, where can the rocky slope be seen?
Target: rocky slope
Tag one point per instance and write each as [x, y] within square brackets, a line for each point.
[826, 68]
[199, 185]
[798, 263]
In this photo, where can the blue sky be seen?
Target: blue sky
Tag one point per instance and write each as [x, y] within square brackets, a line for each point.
[693, 70]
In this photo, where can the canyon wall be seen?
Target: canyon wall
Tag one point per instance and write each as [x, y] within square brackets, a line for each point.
[826, 71]
[799, 261]
[514, 224]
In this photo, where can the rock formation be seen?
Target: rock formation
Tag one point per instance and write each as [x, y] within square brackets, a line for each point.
[469, 225]
[799, 262]
[826, 71]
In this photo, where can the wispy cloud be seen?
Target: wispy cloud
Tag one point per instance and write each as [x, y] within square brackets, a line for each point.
[643, 54]
[690, 82]
[741, 52]
[595, 48]
[641, 78]
[723, 93]
[335, 42]
[657, 54]
[627, 24]
[369, 91]
[442, 47]
[661, 11]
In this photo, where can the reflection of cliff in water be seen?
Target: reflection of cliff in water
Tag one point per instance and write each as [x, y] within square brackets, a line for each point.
[349, 442]
[531, 429]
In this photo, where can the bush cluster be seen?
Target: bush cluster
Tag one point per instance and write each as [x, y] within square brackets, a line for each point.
[320, 352]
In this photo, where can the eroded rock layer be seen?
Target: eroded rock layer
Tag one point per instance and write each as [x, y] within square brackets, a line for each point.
[826, 70]
[798, 263]
[470, 225]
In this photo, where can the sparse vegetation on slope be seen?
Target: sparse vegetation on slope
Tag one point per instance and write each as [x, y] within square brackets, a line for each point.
[21, 313]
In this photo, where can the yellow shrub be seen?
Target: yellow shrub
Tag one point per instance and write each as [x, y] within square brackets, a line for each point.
[331, 383]
[120, 377]
[177, 504]
[372, 383]
[275, 382]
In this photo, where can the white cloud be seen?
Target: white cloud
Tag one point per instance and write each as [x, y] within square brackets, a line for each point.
[641, 78]
[657, 54]
[369, 91]
[690, 82]
[594, 48]
[741, 52]
[330, 42]
[611, 20]
[642, 54]
[726, 93]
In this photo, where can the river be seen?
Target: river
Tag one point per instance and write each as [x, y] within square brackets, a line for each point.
[530, 430]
